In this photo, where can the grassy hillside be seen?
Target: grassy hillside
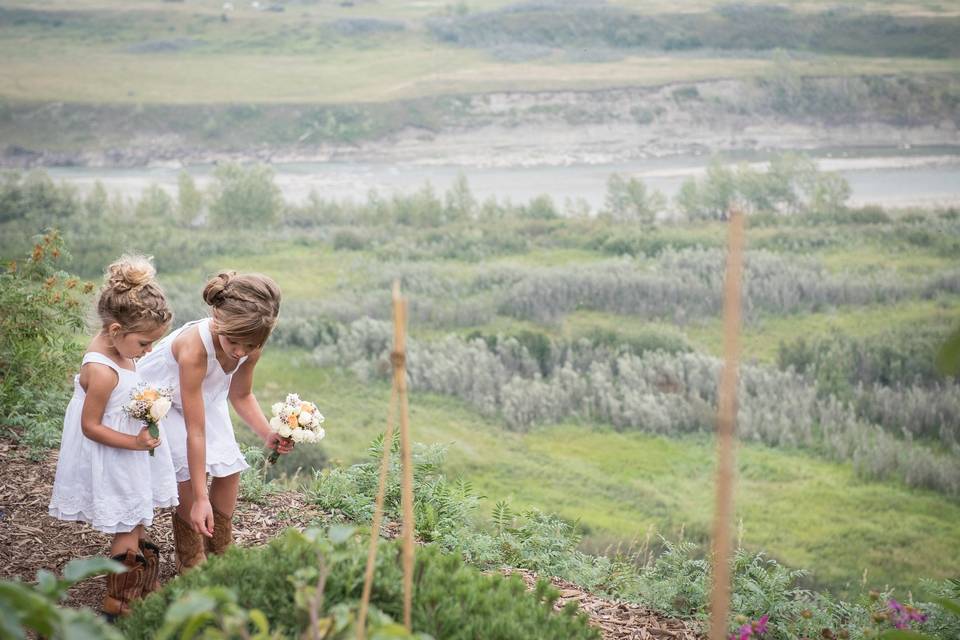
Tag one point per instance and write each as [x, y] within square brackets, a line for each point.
[621, 486]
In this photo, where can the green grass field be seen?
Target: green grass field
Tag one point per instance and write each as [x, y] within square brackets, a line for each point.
[805, 512]
[148, 53]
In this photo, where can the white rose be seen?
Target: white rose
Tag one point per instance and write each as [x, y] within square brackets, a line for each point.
[275, 423]
[160, 408]
[320, 434]
[300, 435]
[275, 409]
[285, 431]
[305, 418]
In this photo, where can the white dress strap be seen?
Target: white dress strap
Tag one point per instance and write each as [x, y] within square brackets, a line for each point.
[99, 358]
[206, 336]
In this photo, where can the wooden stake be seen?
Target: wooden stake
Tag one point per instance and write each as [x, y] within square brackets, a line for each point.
[398, 397]
[726, 420]
[377, 518]
[400, 383]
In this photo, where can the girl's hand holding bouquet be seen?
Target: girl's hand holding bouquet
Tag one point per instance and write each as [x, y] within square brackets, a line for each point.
[150, 405]
[296, 420]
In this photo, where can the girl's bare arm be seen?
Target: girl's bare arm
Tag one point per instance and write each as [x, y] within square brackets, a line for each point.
[246, 405]
[99, 382]
[192, 361]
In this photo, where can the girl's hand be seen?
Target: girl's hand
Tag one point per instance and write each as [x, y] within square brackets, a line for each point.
[201, 517]
[281, 445]
[146, 442]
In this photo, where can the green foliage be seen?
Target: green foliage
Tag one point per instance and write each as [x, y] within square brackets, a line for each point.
[735, 26]
[840, 362]
[254, 487]
[42, 311]
[628, 200]
[284, 578]
[26, 609]
[792, 184]
[189, 199]
[244, 196]
[213, 613]
[154, 204]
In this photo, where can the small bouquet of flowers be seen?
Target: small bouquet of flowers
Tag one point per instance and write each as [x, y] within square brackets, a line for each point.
[149, 404]
[296, 420]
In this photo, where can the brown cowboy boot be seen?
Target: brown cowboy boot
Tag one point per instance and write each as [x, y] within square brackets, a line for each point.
[151, 574]
[124, 588]
[222, 534]
[188, 545]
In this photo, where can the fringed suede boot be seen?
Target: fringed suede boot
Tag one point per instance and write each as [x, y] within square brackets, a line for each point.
[188, 545]
[222, 534]
[151, 574]
[124, 588]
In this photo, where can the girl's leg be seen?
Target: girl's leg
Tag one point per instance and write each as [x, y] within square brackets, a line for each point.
[188, 544]
[223, 493]
[122, 542]
[223, 498]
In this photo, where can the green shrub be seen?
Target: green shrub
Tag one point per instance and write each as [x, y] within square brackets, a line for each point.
[451, 599]
[245, 196]
[42, 310]
[26, 609]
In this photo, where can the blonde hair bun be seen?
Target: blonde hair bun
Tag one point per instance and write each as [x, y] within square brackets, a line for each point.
[131, 296]
[130, 272]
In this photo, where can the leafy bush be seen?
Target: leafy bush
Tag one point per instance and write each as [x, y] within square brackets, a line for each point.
[451, 599]
[34, 608]
[42, 310]
[245, 196]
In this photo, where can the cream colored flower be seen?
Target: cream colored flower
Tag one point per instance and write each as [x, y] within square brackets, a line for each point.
[275, 409]
[160, 408]
[305, 418]
[285, 431]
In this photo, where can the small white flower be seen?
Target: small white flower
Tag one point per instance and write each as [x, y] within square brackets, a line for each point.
[276, 408]
[293, 398]
[319, 434]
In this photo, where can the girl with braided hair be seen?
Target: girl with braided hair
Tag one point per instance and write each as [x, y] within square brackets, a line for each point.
[209, 363]
[105, 473]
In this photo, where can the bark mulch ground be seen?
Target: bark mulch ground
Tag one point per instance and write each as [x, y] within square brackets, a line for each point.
[31, 540]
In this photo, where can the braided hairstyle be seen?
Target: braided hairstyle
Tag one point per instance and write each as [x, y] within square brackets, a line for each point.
[131, 296]
[244, 306]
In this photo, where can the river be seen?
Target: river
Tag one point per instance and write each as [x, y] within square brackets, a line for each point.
[890, 177]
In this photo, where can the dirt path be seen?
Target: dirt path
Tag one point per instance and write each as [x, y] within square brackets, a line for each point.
[30, 540]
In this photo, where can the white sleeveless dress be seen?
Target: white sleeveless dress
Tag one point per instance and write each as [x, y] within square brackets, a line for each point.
[112, 489]
[160, 368]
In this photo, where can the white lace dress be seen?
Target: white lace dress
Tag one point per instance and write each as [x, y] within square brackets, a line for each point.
[160, 368]
[112, 489]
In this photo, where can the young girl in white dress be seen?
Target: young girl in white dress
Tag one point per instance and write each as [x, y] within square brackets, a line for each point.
[105, 474]
[208, 363]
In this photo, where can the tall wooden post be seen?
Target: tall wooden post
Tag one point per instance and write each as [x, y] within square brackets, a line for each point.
[726, 420]
[400, 384]
[398, 397]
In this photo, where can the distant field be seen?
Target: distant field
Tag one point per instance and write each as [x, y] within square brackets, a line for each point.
[172, 53]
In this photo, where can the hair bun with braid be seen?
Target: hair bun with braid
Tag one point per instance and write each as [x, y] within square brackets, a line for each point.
[131, 296]
[129, 272]
[215, 291]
